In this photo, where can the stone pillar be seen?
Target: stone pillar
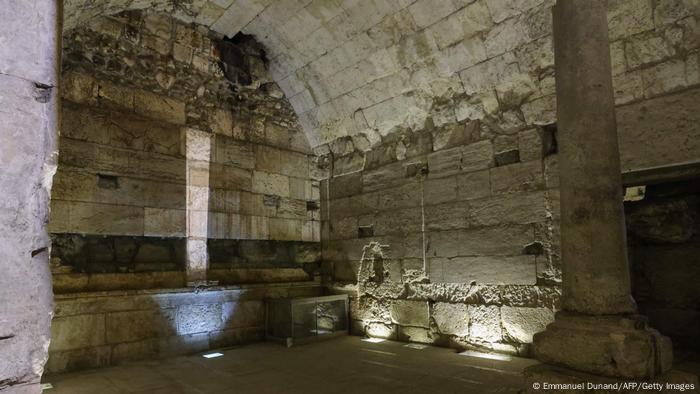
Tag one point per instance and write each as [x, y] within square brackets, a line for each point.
[197, 146]
[598, 331]
[29, 59]
[595, 270]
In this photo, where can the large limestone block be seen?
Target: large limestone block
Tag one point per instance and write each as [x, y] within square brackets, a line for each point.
[233, 152]
[76, 332]
[137, 325]
[512, 270]
[446, 216]
[628, 17]
[410, 313]
[506, 36]
[266, 183]
[659, 131]
[436, 191]
[517, 177]
[192, 319]
[520, 324]
[243, 314]
[451, 319]
[232, 178]
[485, 323]
[474, 185]
[106, 219]
[520, 208]
[285, 229]
[165, 222]
[494, 240]
[86, 358]
[159, 107]
[402, 221]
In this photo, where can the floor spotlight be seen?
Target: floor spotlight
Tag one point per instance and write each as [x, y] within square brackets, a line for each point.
[489, 356]
[373, 340]
[212, 355]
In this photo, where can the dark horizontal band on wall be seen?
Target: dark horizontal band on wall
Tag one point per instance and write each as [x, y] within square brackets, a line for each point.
[233, 253]
[93, 253]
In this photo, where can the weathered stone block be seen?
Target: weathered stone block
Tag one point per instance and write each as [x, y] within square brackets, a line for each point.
[474, 185]
[521, 208]
[76, 332]
[159, 107]
[285, 229]
[164, 222]
[485, 323]
[436, 191]
[520, 324]
[445, 162]
[138, 325]
[517, 177]
[132, 351]
[402, 221]
[414, 334]
[229, 151]
[477, 156]
[86, 358]
[628, 17]
[193, 319]
[643, 144]
[490, 270]
[446, 216]
[266, 183]
[346, 185]
[243, 314]
[410, 313]
[485, 241]
[451, 319]
[106, 219]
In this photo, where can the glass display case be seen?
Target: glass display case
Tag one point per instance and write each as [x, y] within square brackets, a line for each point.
[299, 320]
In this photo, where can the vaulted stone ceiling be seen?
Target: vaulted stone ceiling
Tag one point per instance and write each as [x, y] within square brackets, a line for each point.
[362, 68]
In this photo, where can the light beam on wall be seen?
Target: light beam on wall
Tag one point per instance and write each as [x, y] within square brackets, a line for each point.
[373, 340]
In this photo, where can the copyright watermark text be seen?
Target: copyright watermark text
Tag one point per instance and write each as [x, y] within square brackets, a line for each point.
[617, 386]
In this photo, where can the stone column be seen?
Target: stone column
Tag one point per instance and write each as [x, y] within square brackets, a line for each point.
[29, 61]
[598, 331]
[593, 246]
[198, 152]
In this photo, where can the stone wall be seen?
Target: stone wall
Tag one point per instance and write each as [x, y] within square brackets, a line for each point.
[93, 330]
[471, 236]
[172, 135]
[461, 184]
[664, 239]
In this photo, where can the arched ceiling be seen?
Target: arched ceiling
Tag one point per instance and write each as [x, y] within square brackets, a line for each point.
[362, 68]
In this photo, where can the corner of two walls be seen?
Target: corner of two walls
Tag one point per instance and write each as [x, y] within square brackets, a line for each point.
[457, 194]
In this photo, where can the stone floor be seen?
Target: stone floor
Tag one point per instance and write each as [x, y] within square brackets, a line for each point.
[341, 365]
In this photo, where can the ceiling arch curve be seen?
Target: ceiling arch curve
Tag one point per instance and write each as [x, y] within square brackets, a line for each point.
[364, 68]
